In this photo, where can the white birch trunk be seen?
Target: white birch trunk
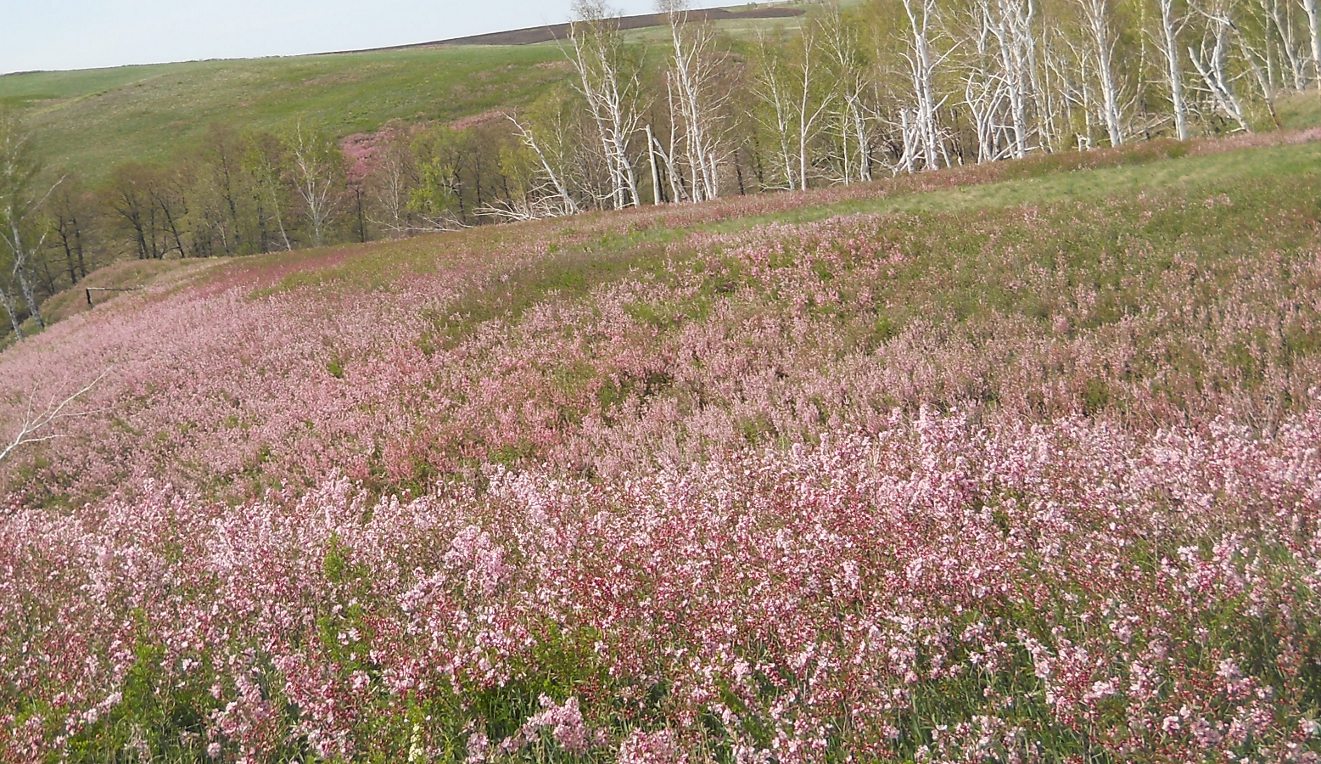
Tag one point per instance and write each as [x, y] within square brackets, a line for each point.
[1314, 29]
[922, 66]
[611, 99]
[1102, 40]
[773, 91]
[655, 169]
[561, 190]
[1169, 47]
[1211, 64]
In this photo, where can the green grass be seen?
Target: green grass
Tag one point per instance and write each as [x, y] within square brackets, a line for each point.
[94, 120]
[1300, 110]
[738, 29]
[1146, 168]
[90, 121]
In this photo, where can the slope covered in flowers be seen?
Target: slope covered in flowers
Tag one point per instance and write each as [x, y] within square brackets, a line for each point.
[1008, 464]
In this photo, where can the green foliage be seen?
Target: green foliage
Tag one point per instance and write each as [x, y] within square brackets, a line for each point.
[335, 367]
[438, 190]
[156, 718]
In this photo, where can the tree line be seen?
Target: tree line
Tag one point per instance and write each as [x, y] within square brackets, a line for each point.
[871, 89]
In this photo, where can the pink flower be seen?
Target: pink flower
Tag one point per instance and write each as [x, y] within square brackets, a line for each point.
[658, 747]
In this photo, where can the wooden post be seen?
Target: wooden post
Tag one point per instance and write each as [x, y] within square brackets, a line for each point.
[89, 291]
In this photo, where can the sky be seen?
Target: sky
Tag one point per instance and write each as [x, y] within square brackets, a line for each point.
[82, 34]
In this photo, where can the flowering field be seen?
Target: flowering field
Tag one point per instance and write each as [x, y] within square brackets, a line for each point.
[1023, 470]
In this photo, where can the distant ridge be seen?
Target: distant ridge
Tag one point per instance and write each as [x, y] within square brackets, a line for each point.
[533, 35]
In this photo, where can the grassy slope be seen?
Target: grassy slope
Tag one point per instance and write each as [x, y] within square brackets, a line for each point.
[1152, 169]
[92, 120]
[621, 243]
[994, 246]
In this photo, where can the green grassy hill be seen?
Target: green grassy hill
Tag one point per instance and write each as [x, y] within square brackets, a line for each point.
[92, 120]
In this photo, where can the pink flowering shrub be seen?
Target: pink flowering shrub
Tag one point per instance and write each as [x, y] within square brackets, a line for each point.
[395, 369]
[1005, 484]
[938, 590]
[659, 747]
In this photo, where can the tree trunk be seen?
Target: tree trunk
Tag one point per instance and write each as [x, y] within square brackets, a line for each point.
[655, 169]
[1173, 70]
[7, 300]
[1314, 27]
[22, 257]
[1102, 42]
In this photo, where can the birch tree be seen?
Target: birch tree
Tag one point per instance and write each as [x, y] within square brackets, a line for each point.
[1172, 24]
[1279, 26]
[921, 128]
[1313, 13]
[692, 74]
[840, 41]
[1100, 52]
[315, 172]
[1013, 22]
[1053, 100]
[811, 106]
[1260, 56]
[996, 90]
[546, 133]
[388, 186]
[21, 199]
[773, 89]
[611, 90]
[1211, 60]
[536, 192]
[984, 91]
[265, 160]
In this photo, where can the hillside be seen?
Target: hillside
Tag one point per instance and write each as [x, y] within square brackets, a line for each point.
[95, 120]
[1010, 461]
[722, 16]
[233, 158]
[991, 271]
[90, 121]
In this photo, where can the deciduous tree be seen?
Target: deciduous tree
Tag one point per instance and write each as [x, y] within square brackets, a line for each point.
[316, 173]
[610, 85]
[22, 230]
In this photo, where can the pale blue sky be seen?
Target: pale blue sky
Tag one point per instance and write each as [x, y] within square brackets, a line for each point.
[78, 34]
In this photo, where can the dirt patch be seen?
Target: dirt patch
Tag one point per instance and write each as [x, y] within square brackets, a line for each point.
[361, 150]
[534, 35]
[479, 120]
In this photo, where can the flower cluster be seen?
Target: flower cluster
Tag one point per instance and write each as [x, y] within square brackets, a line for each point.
[939, 590]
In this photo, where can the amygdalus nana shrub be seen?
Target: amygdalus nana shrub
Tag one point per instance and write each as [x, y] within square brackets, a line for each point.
[938, 591]
[1028, 482]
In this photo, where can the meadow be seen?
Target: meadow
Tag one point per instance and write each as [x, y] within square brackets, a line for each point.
[1016, 462]
[92, 120]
